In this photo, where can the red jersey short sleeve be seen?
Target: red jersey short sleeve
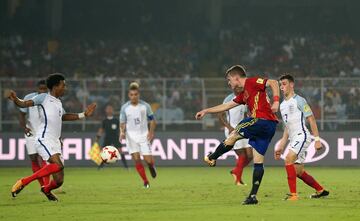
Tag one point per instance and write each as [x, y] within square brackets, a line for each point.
[239, 98]
[258, 83]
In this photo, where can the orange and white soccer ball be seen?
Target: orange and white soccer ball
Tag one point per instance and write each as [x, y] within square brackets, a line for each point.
[109, 154]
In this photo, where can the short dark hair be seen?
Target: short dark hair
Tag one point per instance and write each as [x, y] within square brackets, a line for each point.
[236, 68]
[41, 82]
[54, 80]
[287, 77]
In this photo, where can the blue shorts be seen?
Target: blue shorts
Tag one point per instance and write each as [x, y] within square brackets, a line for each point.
[258, 131]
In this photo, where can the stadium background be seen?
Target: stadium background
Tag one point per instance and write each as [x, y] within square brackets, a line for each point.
[178, 51]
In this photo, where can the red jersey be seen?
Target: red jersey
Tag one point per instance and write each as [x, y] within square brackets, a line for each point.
[255, 97]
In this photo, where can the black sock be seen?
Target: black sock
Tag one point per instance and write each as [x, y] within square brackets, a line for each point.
[257, 177]
[220, 150]
[124, 160]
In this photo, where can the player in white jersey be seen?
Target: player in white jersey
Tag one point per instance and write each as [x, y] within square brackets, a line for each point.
[135, 116]
[29, 120]
[294, 110]
[48, 135]
[230, 120]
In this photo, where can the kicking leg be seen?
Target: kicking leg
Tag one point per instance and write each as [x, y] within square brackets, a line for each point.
[223, 147]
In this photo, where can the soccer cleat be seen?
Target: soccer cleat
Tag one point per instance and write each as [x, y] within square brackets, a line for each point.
[291, 197]
[152, 171]
[16, 189]
[251, 200]
[146, 185]
[211, 163]
[49, 195]
[321, 194]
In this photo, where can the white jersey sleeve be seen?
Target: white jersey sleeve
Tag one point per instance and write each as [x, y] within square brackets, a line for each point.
[39, 99]
[27, 97]
[303, 106]
[149, 112]
[122, 116]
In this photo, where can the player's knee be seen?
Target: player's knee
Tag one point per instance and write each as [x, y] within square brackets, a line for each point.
[230, 141]
[289, 160]
[33, 157]
[59, 181]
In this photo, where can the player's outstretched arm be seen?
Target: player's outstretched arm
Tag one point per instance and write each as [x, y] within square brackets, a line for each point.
[11, 95]
[224, 122]
[76, 116]
[281, 147]
[314, 131]
[274, 85]
[216, 109]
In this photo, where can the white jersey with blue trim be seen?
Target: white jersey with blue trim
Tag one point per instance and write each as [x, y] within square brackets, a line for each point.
[33, 115]
[136, 118]
[235, 114]
[294, 112]
[51, 110]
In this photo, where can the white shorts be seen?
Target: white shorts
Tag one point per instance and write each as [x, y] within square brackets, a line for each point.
[48, 147]
[138, 146]
[240, 144]
[30, 145]
[299, 145]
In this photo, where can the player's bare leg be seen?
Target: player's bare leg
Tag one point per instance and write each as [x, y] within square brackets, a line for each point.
[140, 168]
[55, 165]
[244, 157]
[149, 159]
[290, 159]
[310, 181]
[257, 177]
[222, 148]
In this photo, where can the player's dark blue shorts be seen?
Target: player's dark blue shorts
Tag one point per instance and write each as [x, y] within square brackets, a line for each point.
[258, 131]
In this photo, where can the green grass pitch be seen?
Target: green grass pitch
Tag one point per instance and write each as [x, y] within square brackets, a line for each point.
[180, 194]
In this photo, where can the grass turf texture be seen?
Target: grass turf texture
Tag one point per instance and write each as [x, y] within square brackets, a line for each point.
[180, 194]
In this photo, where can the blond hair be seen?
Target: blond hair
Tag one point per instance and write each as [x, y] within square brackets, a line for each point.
[134, 86]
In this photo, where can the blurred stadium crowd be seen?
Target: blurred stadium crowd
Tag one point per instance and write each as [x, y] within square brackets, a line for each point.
[106, 60]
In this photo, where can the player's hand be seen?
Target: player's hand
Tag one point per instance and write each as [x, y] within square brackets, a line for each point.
[90, 109]
[150, 136]
[199, 115]
[27, 132]
[11, 95]
[318, 145]
[275, 106]
[277, 154]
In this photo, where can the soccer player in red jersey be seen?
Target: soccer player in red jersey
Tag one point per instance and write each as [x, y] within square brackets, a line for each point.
[259, 128]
